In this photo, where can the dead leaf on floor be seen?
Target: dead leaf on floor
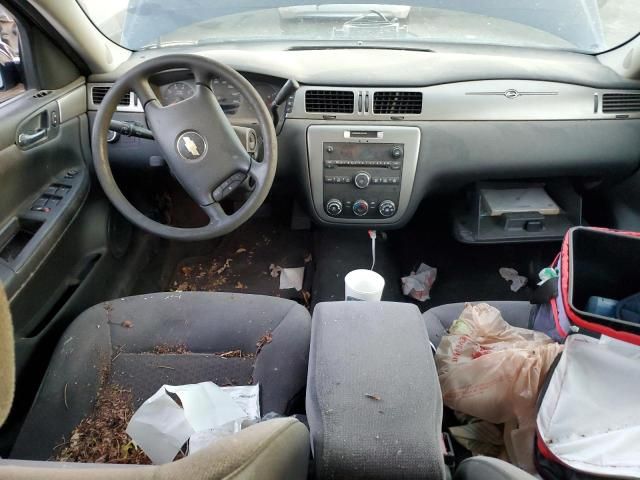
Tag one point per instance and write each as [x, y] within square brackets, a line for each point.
[264, 340]
[101, 436]
[186, 270]
[165, 349]
[127, 324]
[234, 354]
[373, 396]
[306, 297]
[240, 250]
[183, 287]
[240, 285]
[275, 270]
[227, 264]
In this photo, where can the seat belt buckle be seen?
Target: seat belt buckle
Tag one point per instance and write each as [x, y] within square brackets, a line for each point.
[447, 450]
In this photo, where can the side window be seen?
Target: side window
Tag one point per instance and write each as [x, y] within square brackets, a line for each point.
[9, 52]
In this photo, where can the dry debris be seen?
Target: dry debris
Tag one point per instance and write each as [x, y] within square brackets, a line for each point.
[241, 250]
[373, 396]
[165, 349]
[101, 437]
[234, 354]
[275, 270]
[264, 340]
[240, 286]
[227, 264]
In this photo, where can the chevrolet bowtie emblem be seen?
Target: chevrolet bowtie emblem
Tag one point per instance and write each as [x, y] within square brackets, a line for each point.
[191, 145]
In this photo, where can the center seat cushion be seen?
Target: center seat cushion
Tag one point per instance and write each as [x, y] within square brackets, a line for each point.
[124, 341]
[374, 404]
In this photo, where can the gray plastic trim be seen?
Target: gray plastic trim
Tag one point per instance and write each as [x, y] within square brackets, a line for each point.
[499, 100]
[318, 134]
[73, 104]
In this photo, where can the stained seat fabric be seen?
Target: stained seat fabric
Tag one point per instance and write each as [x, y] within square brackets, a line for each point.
[125, 341]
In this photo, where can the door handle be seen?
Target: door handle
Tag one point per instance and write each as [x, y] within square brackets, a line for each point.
[29, 138]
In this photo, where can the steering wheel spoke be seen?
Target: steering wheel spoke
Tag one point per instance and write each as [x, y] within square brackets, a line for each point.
[142, 88]
[216, 214]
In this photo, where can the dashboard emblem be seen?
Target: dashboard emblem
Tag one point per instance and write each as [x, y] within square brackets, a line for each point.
[511, 93]
[191, 145]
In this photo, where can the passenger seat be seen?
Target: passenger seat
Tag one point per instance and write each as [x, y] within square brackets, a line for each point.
[438, 320]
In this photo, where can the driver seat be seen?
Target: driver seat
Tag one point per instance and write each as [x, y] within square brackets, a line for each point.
[143, 342]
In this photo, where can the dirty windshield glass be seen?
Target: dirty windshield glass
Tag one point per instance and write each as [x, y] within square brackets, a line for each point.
[581, 25]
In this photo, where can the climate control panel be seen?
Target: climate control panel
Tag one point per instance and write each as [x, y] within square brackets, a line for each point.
[362, 180]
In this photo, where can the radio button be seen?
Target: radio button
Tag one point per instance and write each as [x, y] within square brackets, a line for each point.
[360, 208]
[396, 152]
[362, 179]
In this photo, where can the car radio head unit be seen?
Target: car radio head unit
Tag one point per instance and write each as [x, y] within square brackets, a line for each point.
[360, 175]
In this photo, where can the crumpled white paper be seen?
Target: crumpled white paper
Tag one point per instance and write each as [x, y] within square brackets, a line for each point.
[418, 284]
[291, 278]
[248, 398]
[161, 427]
[511, 275]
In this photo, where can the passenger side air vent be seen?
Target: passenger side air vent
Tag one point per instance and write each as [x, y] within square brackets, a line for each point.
[98, 94]
[329, 101]
[397, 103]
[620, 102]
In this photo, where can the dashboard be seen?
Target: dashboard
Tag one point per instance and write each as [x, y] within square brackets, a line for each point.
[417, 122]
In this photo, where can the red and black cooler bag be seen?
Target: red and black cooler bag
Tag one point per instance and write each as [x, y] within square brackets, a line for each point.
[595, 263]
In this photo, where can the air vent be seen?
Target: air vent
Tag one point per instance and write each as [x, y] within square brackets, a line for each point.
[620, 102]
[98, 94]
[397, 103]
[42, 93]
[329, 101]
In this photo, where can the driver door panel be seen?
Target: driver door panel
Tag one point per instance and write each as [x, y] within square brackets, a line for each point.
[45, 181]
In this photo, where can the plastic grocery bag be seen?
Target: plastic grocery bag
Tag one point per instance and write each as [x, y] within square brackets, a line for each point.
[494, 372]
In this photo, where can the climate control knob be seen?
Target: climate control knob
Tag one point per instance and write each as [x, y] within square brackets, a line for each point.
[387, 208]
[362, 179]
[360, 207]
[334, 207]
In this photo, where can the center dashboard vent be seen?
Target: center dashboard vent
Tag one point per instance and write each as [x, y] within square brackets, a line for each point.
[98, 94]
[620, 102]
[329, 101]
[397, 103]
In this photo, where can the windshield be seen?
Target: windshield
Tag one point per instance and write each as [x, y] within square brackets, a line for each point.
[589, 26]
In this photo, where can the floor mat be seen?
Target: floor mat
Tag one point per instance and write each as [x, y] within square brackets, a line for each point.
[470, 272]
[337, 252]
[465, 272]
[242, 261]
[144, 373]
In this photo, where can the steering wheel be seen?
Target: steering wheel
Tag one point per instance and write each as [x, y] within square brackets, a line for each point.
[198, 143]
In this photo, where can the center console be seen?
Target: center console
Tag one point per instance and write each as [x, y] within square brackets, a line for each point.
[373, 399]
[362, 174]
